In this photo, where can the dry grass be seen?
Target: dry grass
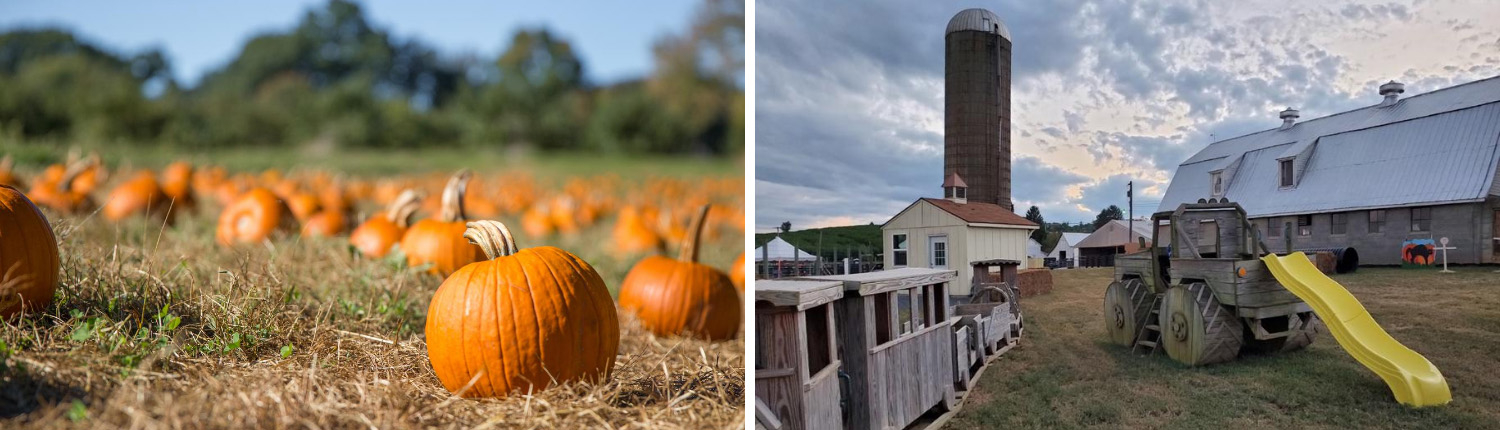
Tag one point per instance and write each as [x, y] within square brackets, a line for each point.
[158, 328]
[1066, 375]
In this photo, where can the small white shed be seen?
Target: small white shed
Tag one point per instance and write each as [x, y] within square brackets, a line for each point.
[950, 233]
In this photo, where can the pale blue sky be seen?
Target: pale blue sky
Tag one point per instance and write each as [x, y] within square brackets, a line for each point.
[613, 37]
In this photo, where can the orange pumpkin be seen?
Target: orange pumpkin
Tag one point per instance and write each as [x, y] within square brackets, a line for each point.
[28, 255]
[303, 205]
[8, 176]
[682, 296]
[520, 320]
[60, 192]
[254, 216]
[440, 241]
[141, 194]
[325, 223]
[378, 234]
[633, 236]
[737, 273]
[177, 185]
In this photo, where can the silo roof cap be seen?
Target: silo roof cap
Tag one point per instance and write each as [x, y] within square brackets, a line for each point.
[978, 20]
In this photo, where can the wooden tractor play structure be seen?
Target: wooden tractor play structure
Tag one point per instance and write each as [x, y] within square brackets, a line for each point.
[1201, 292]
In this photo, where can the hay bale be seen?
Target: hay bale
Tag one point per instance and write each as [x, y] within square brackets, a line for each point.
[1033, 282]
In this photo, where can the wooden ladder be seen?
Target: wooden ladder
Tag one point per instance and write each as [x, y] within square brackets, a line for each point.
[1150, 335]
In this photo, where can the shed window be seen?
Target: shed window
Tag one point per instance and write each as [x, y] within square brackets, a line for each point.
[1274, 226]
[1304, 225]
[958, 192]
[1377, 221]
[1421, 219]
[818, 334]
[1286, 173]
[899, 248]
[1338, 223]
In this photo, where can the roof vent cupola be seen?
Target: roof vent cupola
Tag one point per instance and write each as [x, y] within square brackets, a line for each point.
[1392, 92]
[1289, 118]
[955, 190]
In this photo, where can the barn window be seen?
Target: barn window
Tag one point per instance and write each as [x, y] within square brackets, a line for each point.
[1304, 225]
[1421, 219]
[817, 339]
[1274, 226]
[1377, 220]
[1286, 173]
[1217, 179]
[899, 248]
[1338, 223]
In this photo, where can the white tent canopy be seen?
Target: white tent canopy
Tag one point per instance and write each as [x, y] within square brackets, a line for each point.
[779, 250]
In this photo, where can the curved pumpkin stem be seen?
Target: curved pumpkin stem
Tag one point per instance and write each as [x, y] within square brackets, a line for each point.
[492, 237]
[453, 196]
[689, 251]
[401, 209]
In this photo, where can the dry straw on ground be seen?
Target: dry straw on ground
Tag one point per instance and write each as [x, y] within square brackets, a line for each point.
[158, 328]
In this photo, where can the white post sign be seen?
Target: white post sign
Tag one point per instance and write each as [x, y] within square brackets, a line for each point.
[1443, 242]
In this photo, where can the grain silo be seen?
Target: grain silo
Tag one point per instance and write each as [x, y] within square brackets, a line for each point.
[976, 139]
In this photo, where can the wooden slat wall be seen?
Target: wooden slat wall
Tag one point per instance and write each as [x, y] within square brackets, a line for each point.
[911, 376]
[778, 334]
[822, 398]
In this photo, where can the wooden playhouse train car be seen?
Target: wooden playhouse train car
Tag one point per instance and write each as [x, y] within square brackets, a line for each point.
[874, 350]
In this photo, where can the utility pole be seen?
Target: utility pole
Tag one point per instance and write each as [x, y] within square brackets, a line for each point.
[1130, 197]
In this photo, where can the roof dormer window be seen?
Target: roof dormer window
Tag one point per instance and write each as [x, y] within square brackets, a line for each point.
[955, 190]
[1217, 179]
[1286, 173]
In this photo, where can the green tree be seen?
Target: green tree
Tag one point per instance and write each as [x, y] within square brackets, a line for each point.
[1105, 216]
[1034, 214]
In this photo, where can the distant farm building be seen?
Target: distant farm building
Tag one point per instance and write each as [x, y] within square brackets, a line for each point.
[1065, 253]
[954, 232]
[1376, 179]
[1099, 248]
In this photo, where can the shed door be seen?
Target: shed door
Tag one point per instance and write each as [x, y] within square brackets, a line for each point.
[937, 252]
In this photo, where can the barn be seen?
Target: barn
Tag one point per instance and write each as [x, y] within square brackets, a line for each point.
[952, 232]
[1065, 252]
[1098, 249]
[1376, 179]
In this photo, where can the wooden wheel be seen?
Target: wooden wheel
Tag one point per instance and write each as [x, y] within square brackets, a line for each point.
[1196, 329]
[1127, 305]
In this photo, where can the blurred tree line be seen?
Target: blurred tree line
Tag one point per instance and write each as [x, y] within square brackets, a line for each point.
[336, 79]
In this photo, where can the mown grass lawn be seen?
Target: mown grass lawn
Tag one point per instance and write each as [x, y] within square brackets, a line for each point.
[158, 327]
[1066, 375]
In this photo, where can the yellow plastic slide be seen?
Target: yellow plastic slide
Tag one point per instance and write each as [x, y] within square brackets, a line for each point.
[1413, 379]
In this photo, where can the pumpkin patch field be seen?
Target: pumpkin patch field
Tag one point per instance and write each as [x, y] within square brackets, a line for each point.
[369, 290]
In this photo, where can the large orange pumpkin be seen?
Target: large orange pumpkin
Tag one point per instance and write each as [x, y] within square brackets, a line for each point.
[520, 320]
[253, 217]
[29, 261]
[440, 241]
[377, 235]
[141, 194]
[682, 296]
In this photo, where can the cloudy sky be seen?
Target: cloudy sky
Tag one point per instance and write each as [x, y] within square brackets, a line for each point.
[849, 97]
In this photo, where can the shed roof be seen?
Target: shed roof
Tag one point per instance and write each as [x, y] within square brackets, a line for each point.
[1440, 147]
[982, 213]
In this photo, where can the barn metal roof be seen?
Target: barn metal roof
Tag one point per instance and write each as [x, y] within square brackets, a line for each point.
[978, 20]
[1435, 148]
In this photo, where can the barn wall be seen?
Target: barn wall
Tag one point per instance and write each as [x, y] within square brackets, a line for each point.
[1467, 227]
